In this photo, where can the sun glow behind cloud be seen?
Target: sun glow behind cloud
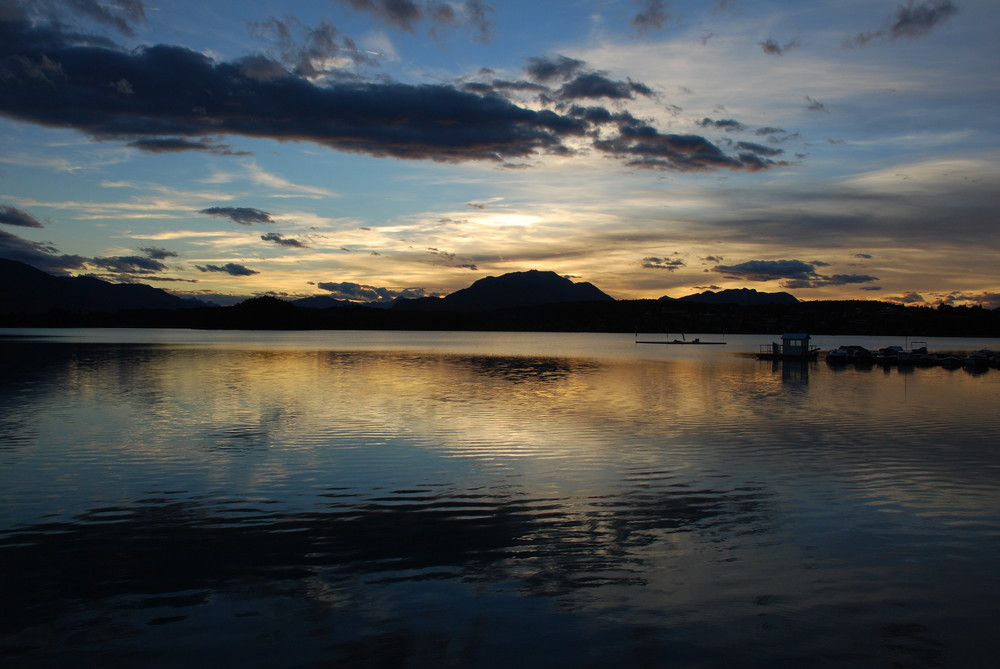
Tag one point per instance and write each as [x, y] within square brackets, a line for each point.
[721, 135]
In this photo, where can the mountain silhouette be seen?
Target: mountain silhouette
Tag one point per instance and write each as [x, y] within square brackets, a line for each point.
[26, 290]
[516, 289]
[746, 297]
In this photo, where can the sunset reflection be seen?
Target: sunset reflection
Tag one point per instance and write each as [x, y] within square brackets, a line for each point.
[194, 488]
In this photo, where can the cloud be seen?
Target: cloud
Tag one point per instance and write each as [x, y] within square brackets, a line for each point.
[985, 299]
[908, 297]
[554, 67]
[241, 215]
[129, 264]
[773, 48]
[43, 256]
[759, 149]
[281, 240]
[14, 216]
[863, 256]
[729, 125]
[163, 99]
[123, 15]
[483, 204]
[61, 80]
[158, 253]
[794, 273]
[450, 259]
[230, 268]
[653, 15]
[356, 292]
[406, 14]
[669, 264]
[911, 20]
[814, 104]
[644, 146]
[597, 85]
[179, 144]
[835, 280]
[310, 52]
[768, 270]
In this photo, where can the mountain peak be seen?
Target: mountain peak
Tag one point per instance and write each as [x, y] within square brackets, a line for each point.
[740, 296]
[515, 289]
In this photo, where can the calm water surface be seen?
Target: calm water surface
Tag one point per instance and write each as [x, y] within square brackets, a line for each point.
[385, 499]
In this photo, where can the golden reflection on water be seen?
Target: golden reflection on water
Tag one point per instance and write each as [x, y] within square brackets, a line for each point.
[716, 498]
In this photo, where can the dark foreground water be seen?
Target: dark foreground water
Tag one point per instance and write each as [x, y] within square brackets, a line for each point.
[181, 499]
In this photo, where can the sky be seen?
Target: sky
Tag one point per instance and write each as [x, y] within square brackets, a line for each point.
[376, 149]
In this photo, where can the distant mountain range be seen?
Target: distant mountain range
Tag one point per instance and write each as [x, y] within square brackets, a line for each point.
[26, 290]
[746, 297]
[532, 301]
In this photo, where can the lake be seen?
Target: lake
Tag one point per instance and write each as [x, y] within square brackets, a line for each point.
[418, 499]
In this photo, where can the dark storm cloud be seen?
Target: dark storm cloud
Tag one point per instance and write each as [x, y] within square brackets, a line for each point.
[356, 292]
[653, 15]
[772, 47]
[553, 68]
[911, 21]
[129, 264]
[165, 92]
[14, 216]
[644, 146]
[281, 240]
[727, 124]
[794, 273]
[669, 264]
[230, 268]
[241, 215]
[41, 255]
[406, 14]
[863, 256]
